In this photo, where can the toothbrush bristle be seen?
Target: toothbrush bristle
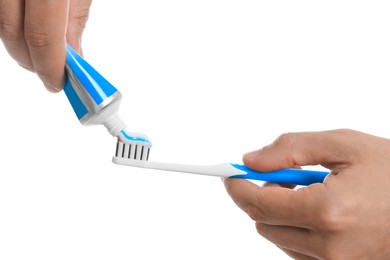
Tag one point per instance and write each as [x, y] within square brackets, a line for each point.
[132, 151]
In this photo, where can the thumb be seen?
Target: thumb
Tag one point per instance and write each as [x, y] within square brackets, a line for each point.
[77, 20]
[327, 148]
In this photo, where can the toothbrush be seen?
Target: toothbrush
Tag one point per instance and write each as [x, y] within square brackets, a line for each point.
[96, 101]
[124, 156]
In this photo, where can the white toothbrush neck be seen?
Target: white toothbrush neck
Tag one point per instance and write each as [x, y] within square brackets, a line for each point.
[219, 170]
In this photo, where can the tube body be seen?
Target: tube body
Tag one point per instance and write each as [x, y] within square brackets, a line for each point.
[94, 100]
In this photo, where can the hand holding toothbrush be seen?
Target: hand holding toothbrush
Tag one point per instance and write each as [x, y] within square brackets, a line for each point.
[346, 217]
[35, 33]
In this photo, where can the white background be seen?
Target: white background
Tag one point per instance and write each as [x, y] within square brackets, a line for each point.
[207, 81]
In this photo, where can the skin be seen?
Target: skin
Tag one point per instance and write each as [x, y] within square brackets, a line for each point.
[35, 33]
[346, 217]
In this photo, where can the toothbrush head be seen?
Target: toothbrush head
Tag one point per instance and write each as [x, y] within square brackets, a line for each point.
[133, 146]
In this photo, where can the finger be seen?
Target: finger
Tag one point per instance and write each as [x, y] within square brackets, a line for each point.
[277, 205]
[12, 31]
[45, 29]
[298, 240]
[77, 20]
[272, 184]
[328, 148]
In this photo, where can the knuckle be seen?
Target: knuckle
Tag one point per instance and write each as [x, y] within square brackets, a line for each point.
[286, 139]
[254, 213]
[282, 137]
[333, 218]
[38, 40]
[10, 32]
[81, 19]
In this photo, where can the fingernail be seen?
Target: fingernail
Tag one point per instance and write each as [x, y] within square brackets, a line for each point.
[55, 88]
[27, 67]
[52, 88]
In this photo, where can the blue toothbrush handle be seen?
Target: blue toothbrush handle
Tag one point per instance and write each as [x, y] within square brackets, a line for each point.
[285, 176]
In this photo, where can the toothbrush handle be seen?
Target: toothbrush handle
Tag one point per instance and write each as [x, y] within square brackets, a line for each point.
[286, 176]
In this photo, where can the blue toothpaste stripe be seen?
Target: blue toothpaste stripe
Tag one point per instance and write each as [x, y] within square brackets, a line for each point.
[134, 138]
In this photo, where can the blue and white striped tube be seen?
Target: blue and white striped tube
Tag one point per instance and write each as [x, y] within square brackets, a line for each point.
[94, 100]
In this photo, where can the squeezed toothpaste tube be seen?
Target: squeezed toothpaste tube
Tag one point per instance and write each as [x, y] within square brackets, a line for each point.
[94, 100]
